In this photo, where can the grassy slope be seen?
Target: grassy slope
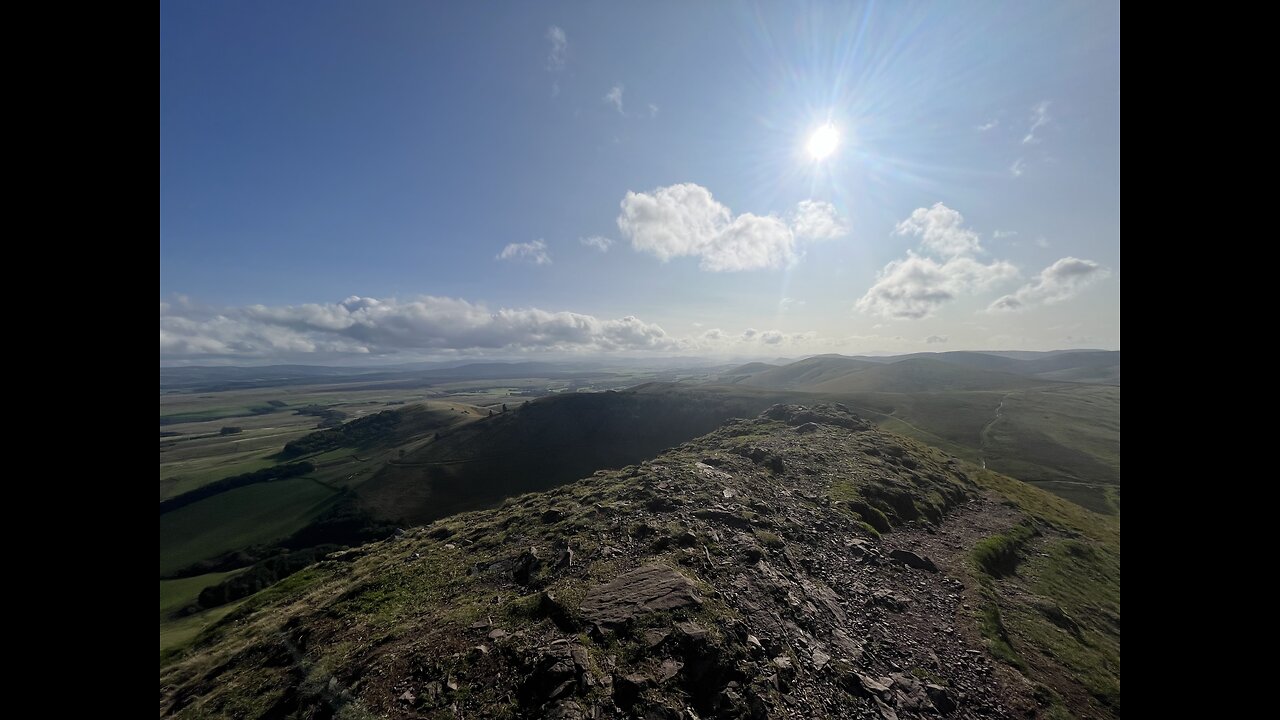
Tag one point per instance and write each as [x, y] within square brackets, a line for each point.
[239, 518]
[176, 634]
[1065, 439]
[1051, 599]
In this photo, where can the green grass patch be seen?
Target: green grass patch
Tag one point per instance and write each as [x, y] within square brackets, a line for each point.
[991, 624]
[1058, 619]
[768, 539]
[177, 594]
[239, 518]
[999, 555]
[1079, 625]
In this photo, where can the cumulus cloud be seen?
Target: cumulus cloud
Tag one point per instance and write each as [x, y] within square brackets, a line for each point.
[788, 303]
[614, 98]
[989, 125]
[686, 221]
[941, 231]
[936, 339]
[653, 110]
[817, 220]
[595, 241]
[1018, 167]
[1000, 234]
[1060, 281]
[1039, 118]
[534, 252]
[360, 325]
[944, 269]
[559, 53]
[916, 286]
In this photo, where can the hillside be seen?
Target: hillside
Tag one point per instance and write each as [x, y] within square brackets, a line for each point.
[750, 369]
[806, 373]
[836, 373]
[920, 375]
[546, 443]
[802, 564]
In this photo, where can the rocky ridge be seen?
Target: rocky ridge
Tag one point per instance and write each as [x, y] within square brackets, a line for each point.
[801, 564]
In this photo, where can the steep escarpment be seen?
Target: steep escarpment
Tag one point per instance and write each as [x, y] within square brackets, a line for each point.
[802, 564]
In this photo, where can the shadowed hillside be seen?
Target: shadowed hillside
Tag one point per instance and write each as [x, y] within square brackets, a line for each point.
[546, 443]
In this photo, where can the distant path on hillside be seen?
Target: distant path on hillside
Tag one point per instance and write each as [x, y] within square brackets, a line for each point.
[982, 436]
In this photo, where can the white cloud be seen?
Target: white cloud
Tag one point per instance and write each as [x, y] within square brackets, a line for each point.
[595, 241]
[672, 221]
[653, 110]
[614, 97]
[360, 325]
[936, 339]
[749, 242]
[916, 286]
[534, 252]
[686, 221]
[817, 220]
[941, 231]
[1039, 118]
[1060, 281]
[1042, 241]
[1018, 167]
[1000, 234]
[989, 125]
[559, 53]
[771, 337]
[788, 303]
[749, 333]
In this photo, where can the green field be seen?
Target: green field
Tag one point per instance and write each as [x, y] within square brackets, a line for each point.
[179, 593]
[199, 454]
[239, 518]
[176, 633]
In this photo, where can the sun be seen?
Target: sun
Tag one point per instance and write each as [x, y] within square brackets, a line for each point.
[823, 142]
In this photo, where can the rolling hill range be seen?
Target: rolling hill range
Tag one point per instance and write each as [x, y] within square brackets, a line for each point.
[1017, 414]
[800, 564]
[932, 372]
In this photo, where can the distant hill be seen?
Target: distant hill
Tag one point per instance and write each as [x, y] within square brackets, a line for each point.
[750, 369]
[1094, 366]
[921, 375]
[806, 373]
[836, 373]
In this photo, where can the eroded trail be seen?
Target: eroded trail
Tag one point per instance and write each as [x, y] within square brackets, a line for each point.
[986, 430]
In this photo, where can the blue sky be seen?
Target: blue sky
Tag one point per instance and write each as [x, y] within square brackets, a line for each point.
[342, 180]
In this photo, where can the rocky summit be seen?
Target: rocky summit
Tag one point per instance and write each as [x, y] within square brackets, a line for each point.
[802, 564]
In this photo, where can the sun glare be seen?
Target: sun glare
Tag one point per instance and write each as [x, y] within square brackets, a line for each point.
[823, 142]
